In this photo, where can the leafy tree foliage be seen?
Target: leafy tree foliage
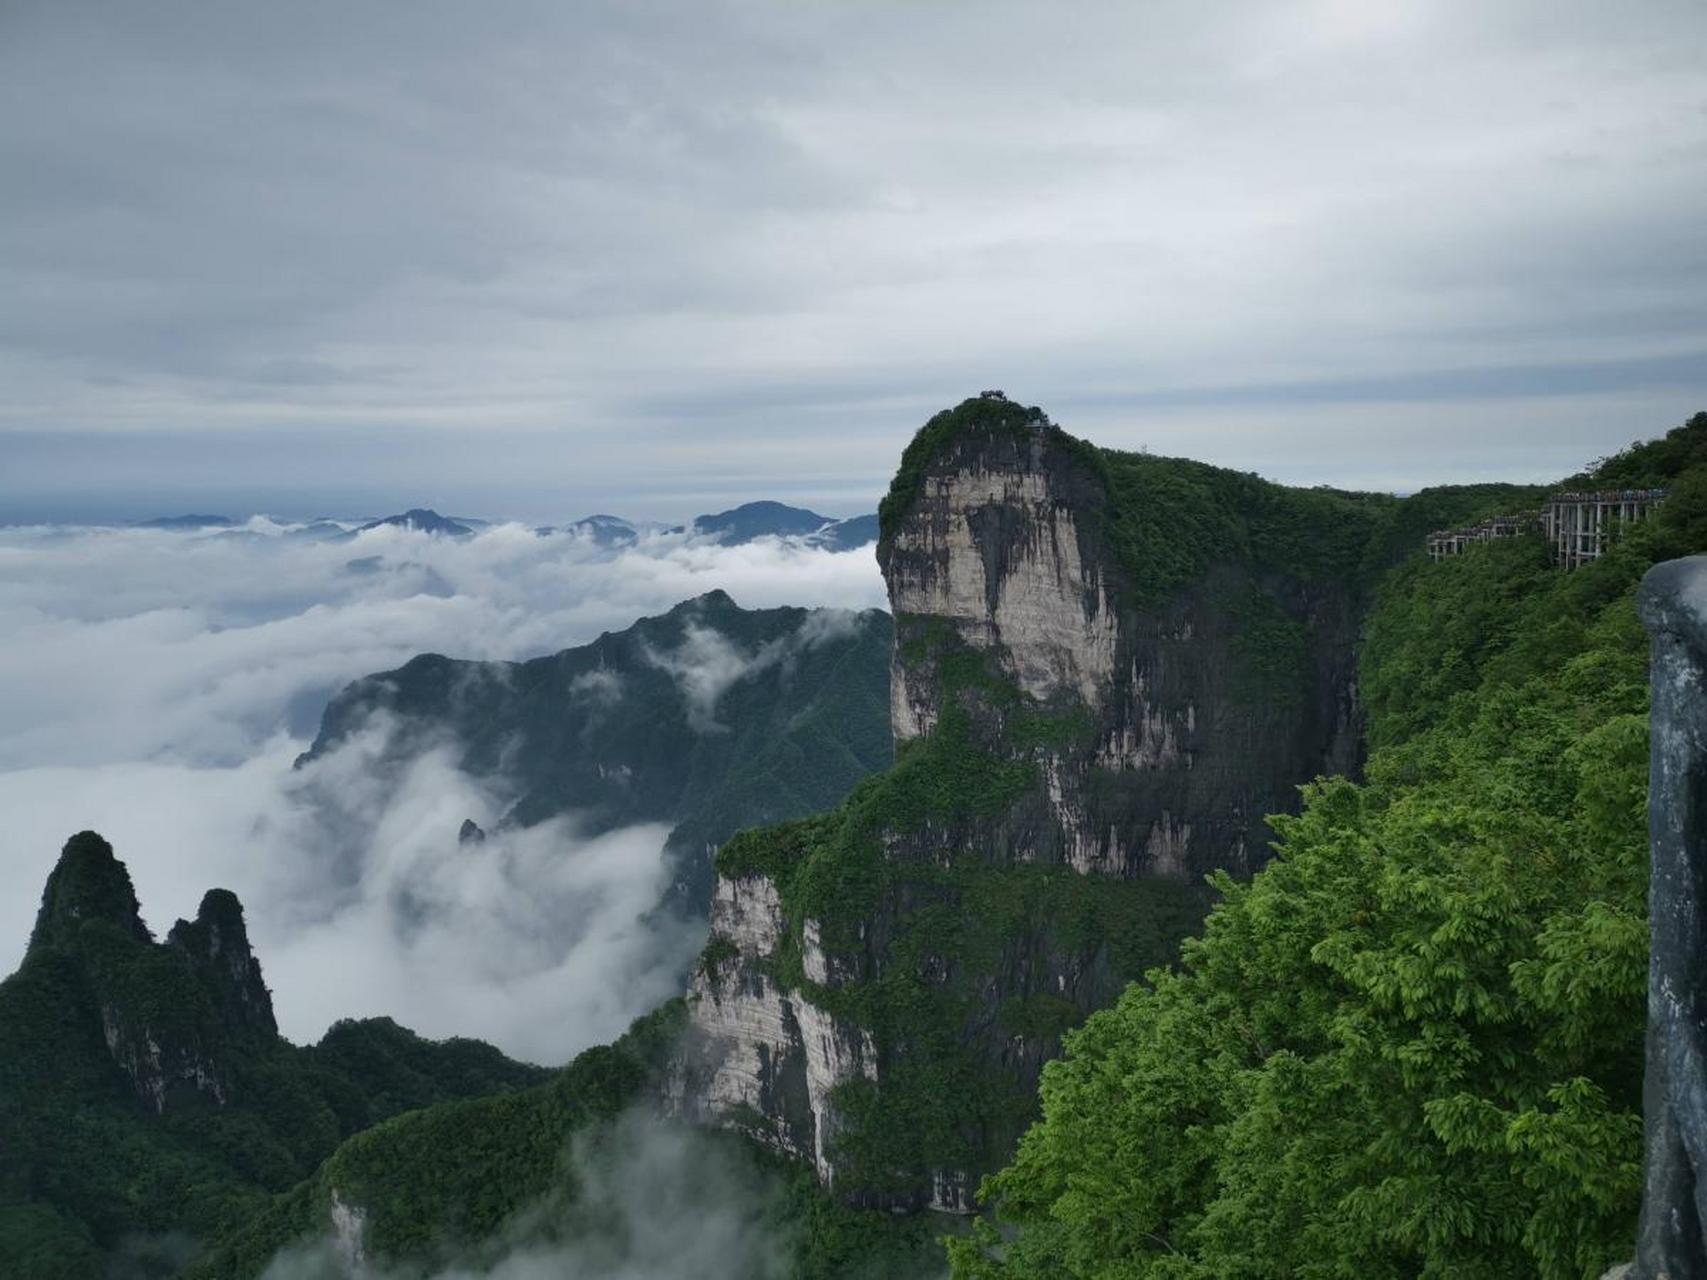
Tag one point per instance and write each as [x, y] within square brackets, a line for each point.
[1412, 1046]
[460, 1182]
[90, 1172]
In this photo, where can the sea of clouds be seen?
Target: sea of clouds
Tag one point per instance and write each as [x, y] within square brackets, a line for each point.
[158, 685]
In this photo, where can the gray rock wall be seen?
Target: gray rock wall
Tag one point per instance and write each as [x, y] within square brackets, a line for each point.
[1193, 747]
[1169, 772]
[1671, 1240]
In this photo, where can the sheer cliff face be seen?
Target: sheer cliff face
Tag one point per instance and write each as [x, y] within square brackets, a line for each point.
[1074, 754]
[1199, 732]
[993, 546]
[780, 1056]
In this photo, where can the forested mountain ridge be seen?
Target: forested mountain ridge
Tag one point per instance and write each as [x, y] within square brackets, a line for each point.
[146, 1097]
[1412, 1046]
[1109, 669]
[710, 716]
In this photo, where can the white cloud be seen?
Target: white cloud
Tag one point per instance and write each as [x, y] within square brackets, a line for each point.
[653, 1202]
[707, 663]
[158, 687]
[729, 246]
[132, 644]
[703, 666]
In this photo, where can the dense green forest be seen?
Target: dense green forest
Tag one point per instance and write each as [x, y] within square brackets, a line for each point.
[1411, 1046]
[90, 1172]
[606, 731]
[465, 1183]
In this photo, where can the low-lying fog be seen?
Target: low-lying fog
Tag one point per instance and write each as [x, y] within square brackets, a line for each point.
[157, 686]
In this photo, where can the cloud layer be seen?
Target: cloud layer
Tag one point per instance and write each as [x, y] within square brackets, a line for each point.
[653, 1202]
[161, 684]
[655, 255]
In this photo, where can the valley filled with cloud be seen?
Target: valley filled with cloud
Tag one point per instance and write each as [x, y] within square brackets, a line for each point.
[160, 685]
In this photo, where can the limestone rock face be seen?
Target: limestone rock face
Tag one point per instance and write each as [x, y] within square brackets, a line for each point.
[161, 1064]
[1140, 738]
[1671, 1238]
[1195, 740]
[993, 547]
[773, 1056]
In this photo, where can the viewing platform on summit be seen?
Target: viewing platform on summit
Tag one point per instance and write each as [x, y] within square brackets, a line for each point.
[1576, 524]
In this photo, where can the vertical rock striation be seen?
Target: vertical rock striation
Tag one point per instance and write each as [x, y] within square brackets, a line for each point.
[1672, 1234]
[1002, 545]
[783, 1055]
[1107, 670]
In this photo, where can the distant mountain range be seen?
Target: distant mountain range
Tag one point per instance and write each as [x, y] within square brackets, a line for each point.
[710, 716]
[753, 520]
[422, 520]
[745, 523]
[606, 531]
[187, 522]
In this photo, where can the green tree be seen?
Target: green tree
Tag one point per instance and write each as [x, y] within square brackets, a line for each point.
[1411, 1046]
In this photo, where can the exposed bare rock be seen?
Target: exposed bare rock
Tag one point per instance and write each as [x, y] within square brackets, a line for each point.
[1084, 749]
[1671, 1240]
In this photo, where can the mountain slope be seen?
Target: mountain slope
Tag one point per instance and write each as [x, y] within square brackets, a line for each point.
[1414, 1044]
[711, 716]
[885, 980]
[1109, 669]
[144, 1088]
[753, 520]
[422, 520]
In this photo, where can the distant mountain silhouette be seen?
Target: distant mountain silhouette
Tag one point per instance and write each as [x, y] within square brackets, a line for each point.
[604, 530]
[187, 522]
[634, 728]
[753, 520]
[422, 520]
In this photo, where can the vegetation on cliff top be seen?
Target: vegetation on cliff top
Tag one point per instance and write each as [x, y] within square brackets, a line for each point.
[1412, 1046]
[961, 912]
[991, 414]
[1167, 520]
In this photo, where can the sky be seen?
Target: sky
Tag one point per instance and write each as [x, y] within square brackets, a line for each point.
[158, 687]
[535, 259]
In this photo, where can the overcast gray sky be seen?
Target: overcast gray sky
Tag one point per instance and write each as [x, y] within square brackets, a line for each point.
[538, 259]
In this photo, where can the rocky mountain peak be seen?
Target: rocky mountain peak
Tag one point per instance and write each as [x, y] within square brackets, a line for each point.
[218, 942]
[717, 600]
[1108, 668]
[88, 883]
[166, 1010]
[991, 533]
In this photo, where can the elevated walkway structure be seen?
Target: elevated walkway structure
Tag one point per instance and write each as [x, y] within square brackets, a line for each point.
[1576, 524]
